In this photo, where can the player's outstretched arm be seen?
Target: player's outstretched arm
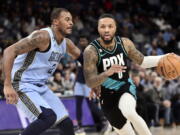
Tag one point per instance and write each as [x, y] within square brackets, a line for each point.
[93, 79]
[137, 57]
[37, 40]
[72, 50]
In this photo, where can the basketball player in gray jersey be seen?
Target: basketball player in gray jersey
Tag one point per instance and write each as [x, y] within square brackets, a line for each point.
[27, 66]
[105, 64]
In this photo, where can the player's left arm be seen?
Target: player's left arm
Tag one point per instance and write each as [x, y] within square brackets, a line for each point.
[137, 57]
[74, 51]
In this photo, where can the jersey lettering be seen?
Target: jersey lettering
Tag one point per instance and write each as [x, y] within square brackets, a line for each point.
[108, 62]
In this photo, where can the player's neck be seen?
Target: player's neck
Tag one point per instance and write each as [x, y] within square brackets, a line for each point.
[57, 35]
[110, 46]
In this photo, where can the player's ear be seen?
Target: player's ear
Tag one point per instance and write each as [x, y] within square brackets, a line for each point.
[55, 21]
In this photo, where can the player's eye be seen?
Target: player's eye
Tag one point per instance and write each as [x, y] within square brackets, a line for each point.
[102, 26]
[110, 26]
[67, 19]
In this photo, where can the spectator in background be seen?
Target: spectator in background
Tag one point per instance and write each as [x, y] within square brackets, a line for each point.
[158, 103]
[154, 49]
[56, 84]
[67, 83]
[176, 102]
[172, 92]
[167, 35]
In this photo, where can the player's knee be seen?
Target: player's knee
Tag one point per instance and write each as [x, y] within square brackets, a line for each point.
[48, 116]
[128, 114]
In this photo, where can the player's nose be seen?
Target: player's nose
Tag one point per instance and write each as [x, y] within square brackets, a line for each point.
[71, 23]
[107, 30]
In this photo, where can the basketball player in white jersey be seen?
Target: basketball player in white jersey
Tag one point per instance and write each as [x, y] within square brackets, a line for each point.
[105, 64]
[29, 63]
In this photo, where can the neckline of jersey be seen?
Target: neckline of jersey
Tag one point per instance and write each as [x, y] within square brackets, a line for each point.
[111, 52]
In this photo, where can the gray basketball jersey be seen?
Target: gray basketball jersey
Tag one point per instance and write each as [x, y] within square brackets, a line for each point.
[36, 66]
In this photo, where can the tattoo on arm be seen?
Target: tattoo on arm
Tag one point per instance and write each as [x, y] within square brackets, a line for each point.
[93, 79]
[135, 55]
[37, 39]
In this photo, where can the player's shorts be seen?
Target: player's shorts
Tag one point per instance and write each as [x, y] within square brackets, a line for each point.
[81, 89]
[110, 101]
[34, 96]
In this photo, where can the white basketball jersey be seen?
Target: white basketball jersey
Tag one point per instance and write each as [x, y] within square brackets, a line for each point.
[36, 66]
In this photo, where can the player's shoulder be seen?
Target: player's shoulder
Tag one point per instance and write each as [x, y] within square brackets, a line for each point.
[125, 40]
[127, 43]
[90, 48]
[40, 34]
[90, 53]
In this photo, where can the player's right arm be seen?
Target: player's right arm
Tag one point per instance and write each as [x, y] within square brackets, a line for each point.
[37, 40]
[137, 57]
[93, 79]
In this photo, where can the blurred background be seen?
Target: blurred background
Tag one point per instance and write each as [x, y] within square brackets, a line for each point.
[153, 25]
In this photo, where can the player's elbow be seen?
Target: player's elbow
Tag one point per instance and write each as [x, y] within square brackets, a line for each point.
[9, 51]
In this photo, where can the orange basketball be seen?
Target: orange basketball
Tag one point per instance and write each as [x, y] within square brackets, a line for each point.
[169, 66]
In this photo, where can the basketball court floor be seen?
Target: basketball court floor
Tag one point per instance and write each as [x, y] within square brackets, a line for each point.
[158, 131]
[155, 131]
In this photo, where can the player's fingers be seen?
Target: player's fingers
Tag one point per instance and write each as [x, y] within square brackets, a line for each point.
[13, 98]
[7, 101]
[119, 66]
[6, 96]
[91, 95]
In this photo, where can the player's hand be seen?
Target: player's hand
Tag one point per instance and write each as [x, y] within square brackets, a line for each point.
[95, 92]
[10, 95]
[115, 69]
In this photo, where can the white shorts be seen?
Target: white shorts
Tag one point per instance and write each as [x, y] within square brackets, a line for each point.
[81, 89]
[31, 97]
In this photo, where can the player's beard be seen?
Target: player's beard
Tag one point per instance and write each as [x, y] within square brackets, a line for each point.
[62, 31]
[107, 41]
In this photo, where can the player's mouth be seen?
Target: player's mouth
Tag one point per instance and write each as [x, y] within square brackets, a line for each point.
[107, 36]
[69, 28]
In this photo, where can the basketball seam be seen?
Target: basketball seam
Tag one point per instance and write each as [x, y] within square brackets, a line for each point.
[166, 74]
[173, 66]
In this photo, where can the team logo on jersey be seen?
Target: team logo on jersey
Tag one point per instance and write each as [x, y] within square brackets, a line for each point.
[55, 56]
[118, 59]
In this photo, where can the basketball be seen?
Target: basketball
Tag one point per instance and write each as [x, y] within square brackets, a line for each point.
[169, 66]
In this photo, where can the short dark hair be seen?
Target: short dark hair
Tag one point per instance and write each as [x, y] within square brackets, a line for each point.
[83, 36]
[107, 15]
[56, 12]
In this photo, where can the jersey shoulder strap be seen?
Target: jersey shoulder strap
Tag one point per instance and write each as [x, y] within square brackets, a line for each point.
[120, 43]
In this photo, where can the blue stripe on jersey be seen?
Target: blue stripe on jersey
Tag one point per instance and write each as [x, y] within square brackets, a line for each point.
[119, 85]
[132, 88]
[113, 84]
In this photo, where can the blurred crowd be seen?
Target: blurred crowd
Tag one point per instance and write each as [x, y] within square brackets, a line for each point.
[153, 25]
